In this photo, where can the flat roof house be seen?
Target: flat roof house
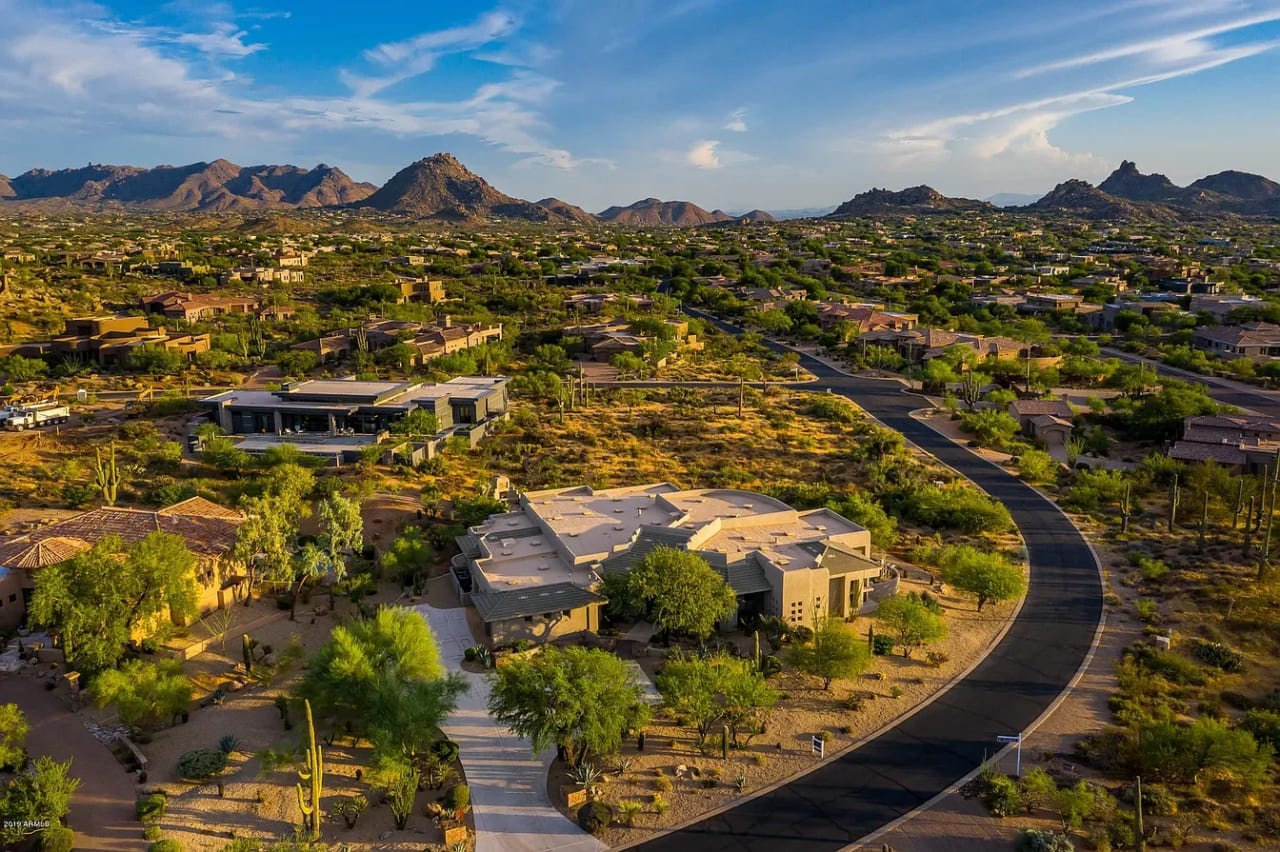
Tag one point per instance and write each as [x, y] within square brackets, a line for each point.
[533, 572]
[336, 418]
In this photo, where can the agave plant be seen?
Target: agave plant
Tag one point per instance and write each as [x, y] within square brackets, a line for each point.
[586, 776]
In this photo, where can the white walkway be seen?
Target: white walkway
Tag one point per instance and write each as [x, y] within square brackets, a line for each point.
[508, 785]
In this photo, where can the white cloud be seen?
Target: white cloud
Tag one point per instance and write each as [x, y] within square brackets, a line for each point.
[1168, 48]
[703, 154]
[412, 57]
[224, 41]
[737, 120]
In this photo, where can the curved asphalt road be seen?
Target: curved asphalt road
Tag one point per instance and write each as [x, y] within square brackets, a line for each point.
[910, 763]
[1223, 390]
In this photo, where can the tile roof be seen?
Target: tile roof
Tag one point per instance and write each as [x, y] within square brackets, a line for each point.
[502, 606]
[1034, 407]
[26, 553]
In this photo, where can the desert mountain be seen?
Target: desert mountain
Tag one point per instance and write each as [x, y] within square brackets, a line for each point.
[1129, 183]
[212, 187]
[915, 199]
[6, 188]
[757, 216]
[651, 212]
[1240, 185]
[1083, 199]
[440, 187]
[566, 210]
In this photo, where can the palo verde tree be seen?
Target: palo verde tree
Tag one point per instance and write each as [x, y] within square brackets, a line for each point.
[716, 691]
[909, 622]
[684, 594]
[96, 600]
[37, 802]
[989, 577]
[146, 694]
[834, 652]
[383, 676]
[13, 734]
[266, 540]
[581, 700]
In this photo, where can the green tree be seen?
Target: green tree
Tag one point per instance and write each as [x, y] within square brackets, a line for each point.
[407, 557]
[146, 694]
[715, 691]
[685, 595]
[297, 362]
[866, 512]
[987, 576]
[342, 531]
[989, 426]
[909, 622]
[17, 368]
[383, 676]
[833, 652]
[580, 700]
[629, 364]
[1167, 751]
[418, 423]
[1037, 466]
[13, 736]
[38, 796]
[96, 599]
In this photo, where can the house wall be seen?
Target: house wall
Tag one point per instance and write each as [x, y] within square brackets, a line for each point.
[539, 629]
[12, 607]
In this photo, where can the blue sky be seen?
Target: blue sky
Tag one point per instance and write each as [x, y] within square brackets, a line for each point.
[727, 103]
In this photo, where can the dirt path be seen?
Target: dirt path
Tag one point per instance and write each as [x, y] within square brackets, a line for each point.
[102, 810]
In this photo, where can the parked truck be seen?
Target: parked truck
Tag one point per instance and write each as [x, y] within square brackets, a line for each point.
[32, 416]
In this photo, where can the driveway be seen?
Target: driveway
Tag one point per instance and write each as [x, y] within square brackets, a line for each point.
[102, 810]
[921, 756]
[508, 784]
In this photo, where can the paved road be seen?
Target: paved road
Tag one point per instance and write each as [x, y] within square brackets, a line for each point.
[1223, 390]
[907, 765]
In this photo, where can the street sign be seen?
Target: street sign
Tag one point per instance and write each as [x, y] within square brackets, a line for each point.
[1017, 771]
[819, 747]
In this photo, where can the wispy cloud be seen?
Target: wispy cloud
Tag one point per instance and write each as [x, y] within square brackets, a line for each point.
[223, 41]
[404, 60]
[1174, 47]
[737, 120]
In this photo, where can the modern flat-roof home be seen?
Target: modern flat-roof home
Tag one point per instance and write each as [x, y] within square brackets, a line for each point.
[533, 572]
[336, 418]
[209, 531]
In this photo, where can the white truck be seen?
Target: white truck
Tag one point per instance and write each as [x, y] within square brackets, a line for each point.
[31, 416]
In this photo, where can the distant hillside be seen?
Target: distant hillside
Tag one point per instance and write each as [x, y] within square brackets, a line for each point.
[566, 210]
[6, 188]
[915, 199]
[209, 187]
[651, 213]
[1011, 199]
[440, 187]
[1080, 198]
[1240, 185]
[803, 212]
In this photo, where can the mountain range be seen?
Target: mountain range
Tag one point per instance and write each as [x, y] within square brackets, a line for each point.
[440, 188]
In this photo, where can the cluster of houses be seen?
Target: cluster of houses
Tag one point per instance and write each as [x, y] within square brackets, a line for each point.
[108, 340]
[429, 340]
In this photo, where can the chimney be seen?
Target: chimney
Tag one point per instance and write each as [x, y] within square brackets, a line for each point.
[448, 321]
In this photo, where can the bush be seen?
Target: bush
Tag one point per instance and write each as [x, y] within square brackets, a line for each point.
[1036, 840]
[457, 798]
[469, 655]
[57, 838]
[201, 764]
[882, 646]
[227, 744]
[770, 666]
[150, 808]
[166, 845]
[1001, 795]
[1219, 656]
[595, 816]
[152, 832]
[446, 751]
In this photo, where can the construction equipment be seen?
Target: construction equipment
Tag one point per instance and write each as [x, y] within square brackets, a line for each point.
[25, 417]
[140, 404]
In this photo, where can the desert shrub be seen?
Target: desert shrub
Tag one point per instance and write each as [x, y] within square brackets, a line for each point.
[1265, 727]
[227, 744]
[1037, 840]
[457, 798]
[1170, 666]
[1219, 656]
[1152, 569]
[770, 666]
[936, 658]
[57, 838]
[662, 784]
[958, 507]
[595, 816]
[201, 763]
[445, 750]
[1179, 753]
[627, 811]
[166, 845]
[882, 646]
[1037, 789]
[243, 844]
[1001, 795]
[469, 654]
[150, 808]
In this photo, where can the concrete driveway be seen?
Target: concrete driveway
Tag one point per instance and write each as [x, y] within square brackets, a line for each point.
[508, 784]
[102, 810]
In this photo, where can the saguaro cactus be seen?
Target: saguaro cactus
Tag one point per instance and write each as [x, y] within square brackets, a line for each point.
[107, 475]
[1235, 516]
[1204, 520]
[1126, 508]
[246, 649]
[313, 779]
[1173, 502]
[756, 636]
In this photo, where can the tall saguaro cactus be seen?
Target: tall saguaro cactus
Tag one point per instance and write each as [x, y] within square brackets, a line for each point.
[313, 779]
[1174, 495]
[1126, 508]
[106, 474]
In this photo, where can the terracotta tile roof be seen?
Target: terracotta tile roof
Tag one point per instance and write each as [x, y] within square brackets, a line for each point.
[1220, 453]
[207, 528]
[1034, 407]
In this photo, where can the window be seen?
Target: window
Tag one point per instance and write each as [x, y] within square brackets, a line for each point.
[12, 598]
[528, 618]
[566, 613]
